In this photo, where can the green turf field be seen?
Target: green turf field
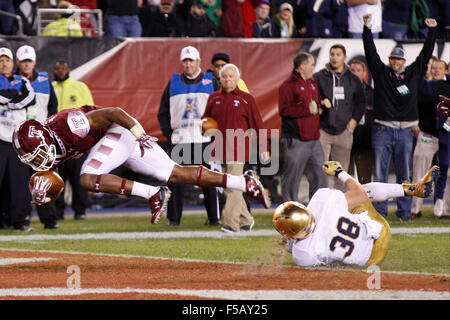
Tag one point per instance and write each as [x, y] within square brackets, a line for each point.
[416, 252]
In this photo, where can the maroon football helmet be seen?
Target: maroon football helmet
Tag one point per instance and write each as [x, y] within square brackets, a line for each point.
[34, 145]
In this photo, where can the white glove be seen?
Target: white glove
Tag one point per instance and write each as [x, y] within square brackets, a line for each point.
[39, 191]
[146, 142]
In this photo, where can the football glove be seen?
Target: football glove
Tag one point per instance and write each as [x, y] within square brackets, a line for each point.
[332, 168]
[146, 142]
[39, 191]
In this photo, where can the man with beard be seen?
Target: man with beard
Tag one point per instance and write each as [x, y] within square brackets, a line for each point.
[346, 93]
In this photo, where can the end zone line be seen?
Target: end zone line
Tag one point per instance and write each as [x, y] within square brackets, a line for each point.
[220, 262]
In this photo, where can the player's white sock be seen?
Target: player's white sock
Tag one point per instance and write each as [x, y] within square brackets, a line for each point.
[379, 191]
[143, 190]
[236, 182]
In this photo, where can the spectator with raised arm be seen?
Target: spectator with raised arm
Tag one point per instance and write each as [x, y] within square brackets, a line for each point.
[396, 116]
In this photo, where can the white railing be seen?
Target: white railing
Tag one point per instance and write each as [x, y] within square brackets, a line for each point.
[45, 16]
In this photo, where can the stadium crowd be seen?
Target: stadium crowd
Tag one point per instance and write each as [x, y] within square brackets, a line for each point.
[347, 122]
[392, 19]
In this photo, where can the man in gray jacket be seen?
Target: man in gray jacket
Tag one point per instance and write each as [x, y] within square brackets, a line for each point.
[346, 92]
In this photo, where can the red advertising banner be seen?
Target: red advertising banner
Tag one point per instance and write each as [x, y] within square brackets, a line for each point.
[134, 76]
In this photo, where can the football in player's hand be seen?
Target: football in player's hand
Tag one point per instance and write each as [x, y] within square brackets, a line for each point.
[57, 183]
[209, 124]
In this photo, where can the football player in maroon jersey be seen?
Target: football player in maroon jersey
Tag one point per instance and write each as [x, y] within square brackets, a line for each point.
[115, 138]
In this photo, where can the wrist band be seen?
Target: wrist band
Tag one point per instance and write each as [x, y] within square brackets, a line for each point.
[137, 130]
[343, 176]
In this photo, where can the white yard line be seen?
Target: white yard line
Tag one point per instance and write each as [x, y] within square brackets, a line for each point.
[184, 234]
[240, 294]
[8, 261]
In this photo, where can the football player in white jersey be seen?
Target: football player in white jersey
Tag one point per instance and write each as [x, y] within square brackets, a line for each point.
[344, 227]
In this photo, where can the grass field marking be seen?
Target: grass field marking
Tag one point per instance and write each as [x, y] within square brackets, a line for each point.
[240, 294]
[138, 235]
[128, 256]
[8, 261]
[420, 230]
[185, 234]
[215, 261]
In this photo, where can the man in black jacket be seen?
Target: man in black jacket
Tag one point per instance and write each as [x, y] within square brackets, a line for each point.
[395, 110]
[345, 90]
[158, 21]
[197, 23]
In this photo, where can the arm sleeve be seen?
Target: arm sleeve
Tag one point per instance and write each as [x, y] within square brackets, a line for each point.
[318, 77]
[303, 259]
[373, 59]
[7, 95]
[207, 112]
[78, 123]
[164, 113]
[288, 107]
[256, 122]
[420, 64]
[25, 99]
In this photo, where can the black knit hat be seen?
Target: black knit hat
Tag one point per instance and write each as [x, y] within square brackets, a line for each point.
[220, 56]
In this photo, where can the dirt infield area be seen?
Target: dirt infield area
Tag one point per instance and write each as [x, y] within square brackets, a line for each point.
[50, 275]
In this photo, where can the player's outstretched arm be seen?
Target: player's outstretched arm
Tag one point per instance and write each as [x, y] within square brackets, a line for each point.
[356, 194]
[106, 116]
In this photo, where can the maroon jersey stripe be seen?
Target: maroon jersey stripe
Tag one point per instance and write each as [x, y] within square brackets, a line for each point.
[105, 150]
[113, 136]
[94, 163]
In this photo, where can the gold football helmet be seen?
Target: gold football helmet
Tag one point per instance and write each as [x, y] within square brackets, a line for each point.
[293, 220]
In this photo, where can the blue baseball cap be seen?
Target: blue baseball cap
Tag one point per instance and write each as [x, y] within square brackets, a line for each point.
[397, 52]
